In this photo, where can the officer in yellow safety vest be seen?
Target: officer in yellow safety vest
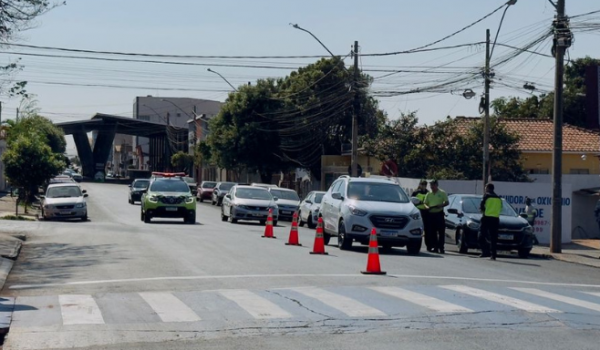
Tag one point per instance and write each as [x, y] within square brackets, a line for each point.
[491, 207]
[435, 201]
[421, 193]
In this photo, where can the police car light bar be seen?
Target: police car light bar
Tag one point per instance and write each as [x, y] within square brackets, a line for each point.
[168, 174]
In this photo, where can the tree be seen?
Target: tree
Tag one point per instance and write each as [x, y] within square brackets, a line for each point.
[29, 162]
[575, 111]
[42, 127]
[182, 161]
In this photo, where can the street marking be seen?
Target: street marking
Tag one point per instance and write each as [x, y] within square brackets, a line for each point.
[501, 299]
[594, 294]
[79, 309]
[169, 308]
[563, 299]
[421, 299]
[354, 275]
[255, 305]
[348, 306]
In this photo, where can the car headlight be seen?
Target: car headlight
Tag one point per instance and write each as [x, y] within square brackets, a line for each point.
[80, 205]
[153, 199]
[473, 225]
[357, 212]
[189, 200]
[416, 215]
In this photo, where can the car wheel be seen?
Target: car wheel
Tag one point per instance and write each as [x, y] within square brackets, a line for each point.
[461, 242]
[524, 253]
[84, 218]
[223, 217]
[130, 201]
[201, 199]
[212, 202]
[344, 242]
[311, 223]
[141, 215]
[326, 238]
[147, 218]
[414, 248]
[300, 221]
[231, 219]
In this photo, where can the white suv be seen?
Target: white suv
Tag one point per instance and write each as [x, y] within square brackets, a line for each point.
[353, 206]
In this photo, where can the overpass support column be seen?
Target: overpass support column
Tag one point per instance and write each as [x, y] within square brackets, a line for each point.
[102, 148]
[84, 150]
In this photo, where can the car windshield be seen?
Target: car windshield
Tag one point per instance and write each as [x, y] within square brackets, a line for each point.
[225, 187]
[209, 185]
[471, 205]
[253, 193]
[141, 184]
[281, 194]
[318, 198]
[376, 192]
[169, 186]
[63, 192]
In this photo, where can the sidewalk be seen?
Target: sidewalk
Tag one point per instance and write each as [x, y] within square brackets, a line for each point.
[7, 207]
[584, 252]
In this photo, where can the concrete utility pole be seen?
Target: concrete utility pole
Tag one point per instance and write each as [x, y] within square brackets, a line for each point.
[562, 41]
[486, 119]
[354, 157]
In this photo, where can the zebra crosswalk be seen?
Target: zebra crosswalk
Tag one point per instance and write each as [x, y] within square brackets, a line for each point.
[295, 303]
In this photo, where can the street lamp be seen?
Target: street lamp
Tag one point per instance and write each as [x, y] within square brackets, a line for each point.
[222, 77]
[295, 25]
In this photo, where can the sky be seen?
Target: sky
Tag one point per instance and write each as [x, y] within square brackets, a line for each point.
[66, 89]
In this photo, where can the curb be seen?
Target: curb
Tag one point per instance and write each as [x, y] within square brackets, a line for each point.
[564, 259]
[7, 304]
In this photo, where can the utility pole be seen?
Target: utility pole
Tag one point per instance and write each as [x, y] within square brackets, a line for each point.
[562, 41]
[0, 112]
[354, 157]
[17, 114]
[486, 118]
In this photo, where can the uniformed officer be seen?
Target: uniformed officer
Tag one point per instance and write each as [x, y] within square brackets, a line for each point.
[435, 201]
[420, 193]
[491, 207]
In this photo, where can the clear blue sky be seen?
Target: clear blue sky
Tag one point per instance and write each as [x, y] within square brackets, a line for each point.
[261, 27]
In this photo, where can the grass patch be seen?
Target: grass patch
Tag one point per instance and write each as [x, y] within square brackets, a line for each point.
[16, 218]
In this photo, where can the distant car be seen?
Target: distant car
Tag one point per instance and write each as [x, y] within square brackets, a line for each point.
[64, 201]
[168, 197]
[206, 189]
[288, 201]
[248, 203]
[137, 189]
[109, 175]
[310, 208]
[353, 206]
[77, 177]
[463, 221]
[192, 184]
[267, 186]
[220, 190]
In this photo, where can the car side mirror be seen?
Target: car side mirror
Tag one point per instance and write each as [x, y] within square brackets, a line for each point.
[309, 202]
[455, 212]
[415, 201]
[337, 195]
[523, 215]
[85, 195]
[228, 196]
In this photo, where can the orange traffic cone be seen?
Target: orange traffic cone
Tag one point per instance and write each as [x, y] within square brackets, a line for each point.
[269, 227]
[293, 240]
[373, 266]
[319, 246]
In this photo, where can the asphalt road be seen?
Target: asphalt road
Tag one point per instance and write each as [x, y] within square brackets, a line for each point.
[116, 283]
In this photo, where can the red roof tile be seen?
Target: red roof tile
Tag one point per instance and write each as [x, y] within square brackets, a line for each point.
[537, 135]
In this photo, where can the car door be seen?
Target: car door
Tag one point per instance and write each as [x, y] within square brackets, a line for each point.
[335, 205]
[305, 206]
[227, 200]
[453, 221]
[327, 206]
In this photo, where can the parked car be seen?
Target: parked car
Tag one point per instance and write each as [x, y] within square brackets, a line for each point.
[463, 220]
[168, 197]
[206, 190]
[288, 201]
[64, 201]
[220, 190]
[248, 203]
[310, 208]
[137, 189]
[192, 184]
[77, 177]
[353, 206]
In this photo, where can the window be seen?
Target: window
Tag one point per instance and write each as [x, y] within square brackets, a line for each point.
[471, 206]
[335, 187]
[318, 198]
[169, 186]
[580, 171]
[538, 171]
[253, 193]
[291, 195]
[63, 192]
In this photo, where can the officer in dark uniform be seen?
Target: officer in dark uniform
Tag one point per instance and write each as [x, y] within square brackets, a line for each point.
[491, 207]
[420, 193]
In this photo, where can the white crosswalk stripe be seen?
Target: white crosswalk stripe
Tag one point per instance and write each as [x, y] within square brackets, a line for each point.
[169, 308]
[79, 309]
[255, 305]
[502, 299]
[348, 306]
[564, 299]
[421, 299]
[596, 294]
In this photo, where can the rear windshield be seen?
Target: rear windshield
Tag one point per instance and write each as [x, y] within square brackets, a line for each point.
[226, 187]
[253, 193]
[209, 185]
[169, 186]
[141, 184]
[291, 195]
[376, 192]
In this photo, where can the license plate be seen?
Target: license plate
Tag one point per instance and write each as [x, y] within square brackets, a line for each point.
[285, 212]
[171, 208]
[65, 212]
[506, 237]
[387, 233]
[258, 215]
